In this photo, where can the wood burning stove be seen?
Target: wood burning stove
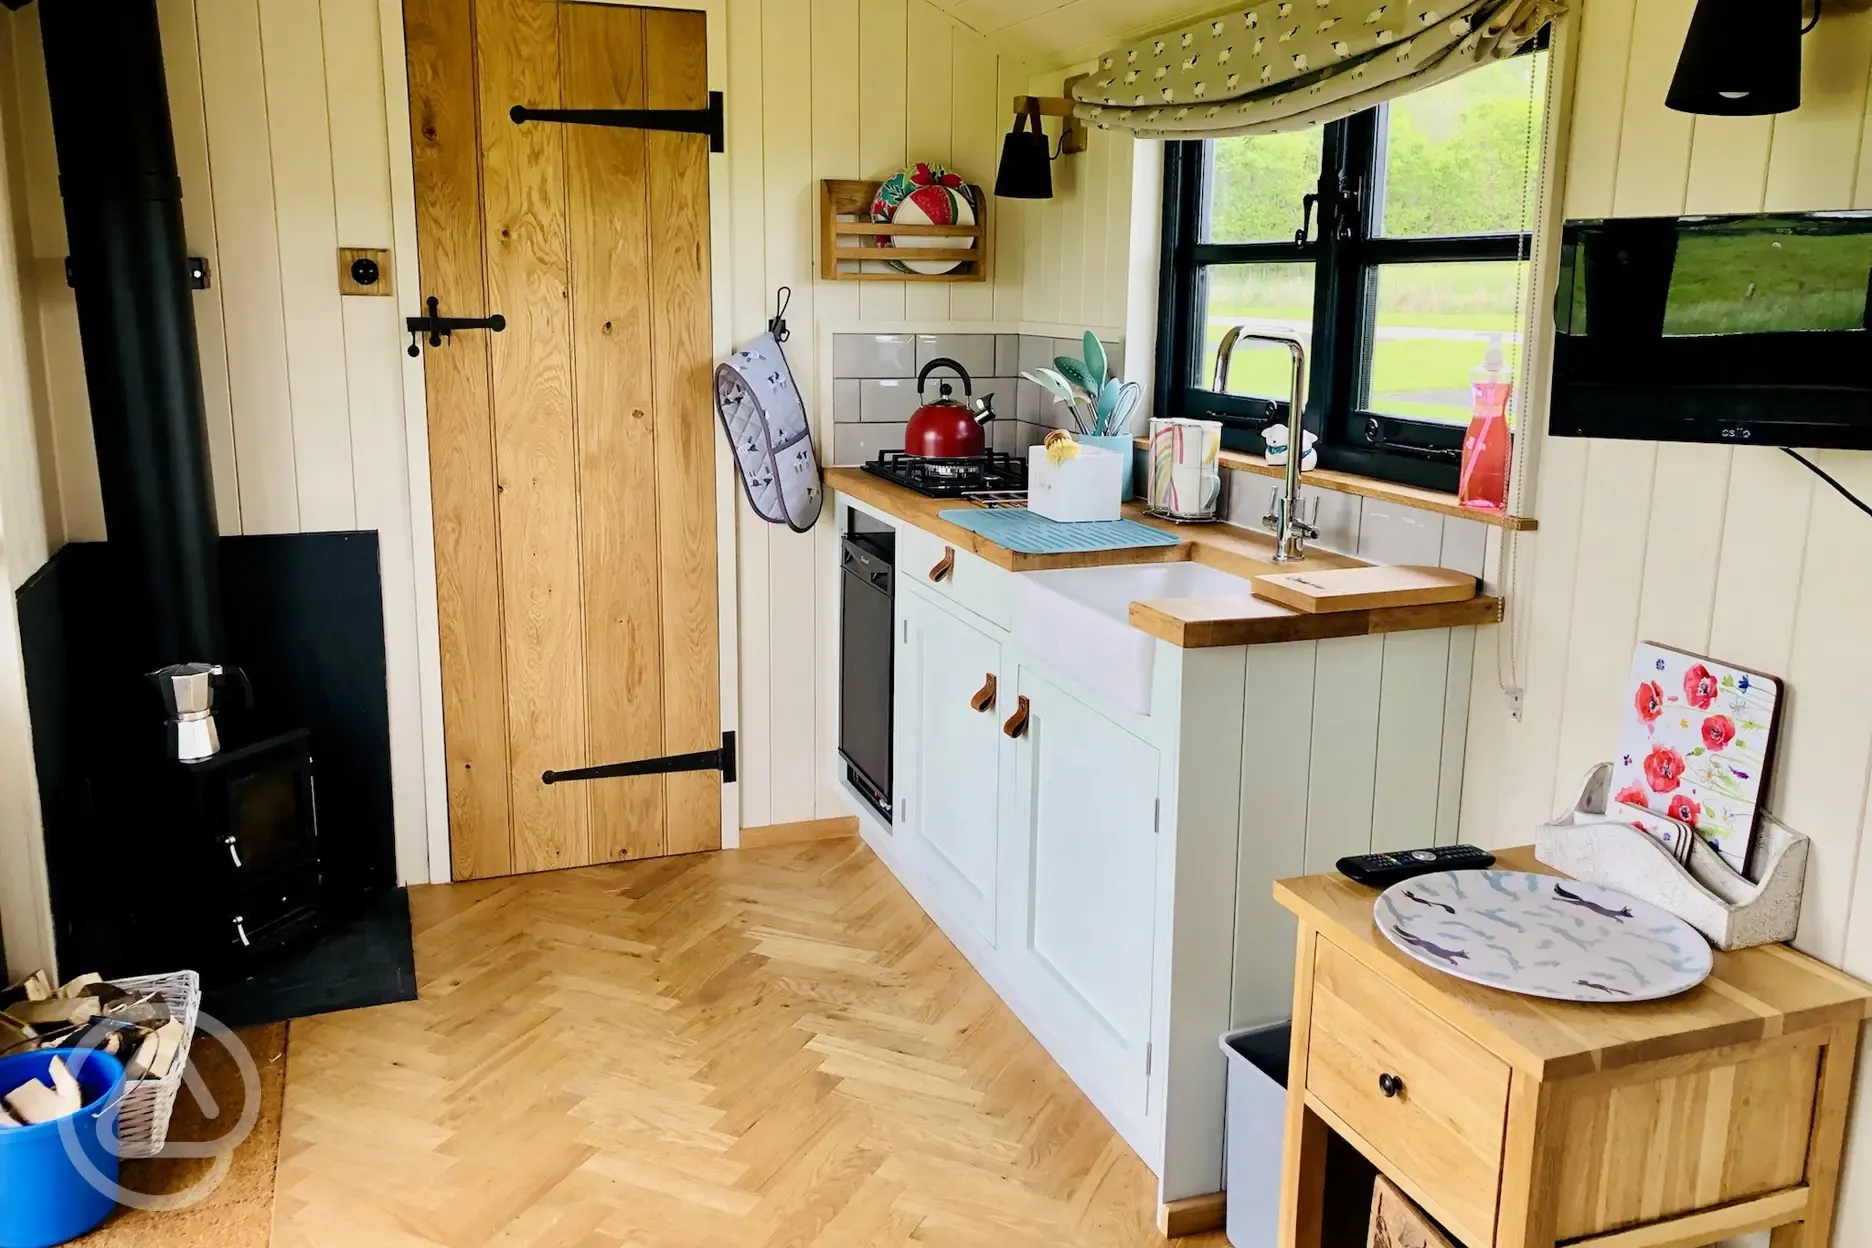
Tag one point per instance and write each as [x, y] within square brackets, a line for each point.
[250, 816]
[218, 851]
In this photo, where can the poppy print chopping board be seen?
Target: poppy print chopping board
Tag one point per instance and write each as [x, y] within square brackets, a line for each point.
[1695, 744]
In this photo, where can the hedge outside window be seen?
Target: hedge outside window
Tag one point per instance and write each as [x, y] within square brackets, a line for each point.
[1393, 243]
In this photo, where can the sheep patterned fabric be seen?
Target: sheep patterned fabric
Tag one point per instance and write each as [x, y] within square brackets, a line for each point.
[1291, 64]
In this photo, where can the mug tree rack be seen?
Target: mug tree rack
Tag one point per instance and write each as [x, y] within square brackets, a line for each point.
[848, 251]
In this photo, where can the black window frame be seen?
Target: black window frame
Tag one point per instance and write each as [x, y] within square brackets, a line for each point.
[1348, 254]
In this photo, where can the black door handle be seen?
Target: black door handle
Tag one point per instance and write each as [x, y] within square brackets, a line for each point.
[439, 327]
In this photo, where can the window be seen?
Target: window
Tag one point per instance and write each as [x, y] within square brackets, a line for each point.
[1393, 243]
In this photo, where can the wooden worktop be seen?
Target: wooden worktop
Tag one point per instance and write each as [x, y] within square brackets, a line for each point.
[1190, 623]
[1753, 994]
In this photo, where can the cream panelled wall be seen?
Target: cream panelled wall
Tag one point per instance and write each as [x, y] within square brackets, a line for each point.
[1738, 553]
[285, 135]
[283, 141]
[836, 89]
[1077, 244]
[855, 88]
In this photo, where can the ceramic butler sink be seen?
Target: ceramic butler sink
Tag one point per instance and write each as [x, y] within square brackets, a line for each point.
[1079, 620]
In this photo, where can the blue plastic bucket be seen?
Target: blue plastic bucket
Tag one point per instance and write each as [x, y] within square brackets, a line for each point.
[46, 1196]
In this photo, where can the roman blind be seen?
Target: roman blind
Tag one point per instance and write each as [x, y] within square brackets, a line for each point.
[1290, 64]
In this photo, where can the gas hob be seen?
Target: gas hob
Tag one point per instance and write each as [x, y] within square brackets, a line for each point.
[951, 478]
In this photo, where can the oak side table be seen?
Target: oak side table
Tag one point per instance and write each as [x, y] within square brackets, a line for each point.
[1523, 1123]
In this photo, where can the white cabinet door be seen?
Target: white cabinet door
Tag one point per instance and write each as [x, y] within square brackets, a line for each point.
[1082, 857]
[947, 815]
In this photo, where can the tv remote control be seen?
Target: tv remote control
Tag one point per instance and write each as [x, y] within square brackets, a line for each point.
[1384, 870]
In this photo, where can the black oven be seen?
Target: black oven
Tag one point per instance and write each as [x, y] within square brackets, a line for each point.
[866, 662]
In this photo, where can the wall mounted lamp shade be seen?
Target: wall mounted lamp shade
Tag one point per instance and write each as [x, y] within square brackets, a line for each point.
[1026, 170]
[1742, 58]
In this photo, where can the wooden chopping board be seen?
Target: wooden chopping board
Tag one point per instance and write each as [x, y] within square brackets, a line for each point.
[1364, 589]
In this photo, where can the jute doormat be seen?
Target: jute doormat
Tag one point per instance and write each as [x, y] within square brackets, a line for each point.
[238, 1213]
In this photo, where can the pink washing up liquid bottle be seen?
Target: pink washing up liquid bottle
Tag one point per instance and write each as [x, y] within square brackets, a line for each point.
[1483, 482]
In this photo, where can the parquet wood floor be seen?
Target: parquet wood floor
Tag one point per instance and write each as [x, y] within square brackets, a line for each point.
[759, 1047]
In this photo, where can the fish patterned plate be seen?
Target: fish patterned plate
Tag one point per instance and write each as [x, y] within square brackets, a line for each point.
[1543, 936]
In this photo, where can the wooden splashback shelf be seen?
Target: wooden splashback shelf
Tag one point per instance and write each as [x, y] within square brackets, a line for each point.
[842, 249]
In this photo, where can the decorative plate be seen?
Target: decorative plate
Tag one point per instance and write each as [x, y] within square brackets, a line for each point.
[1543, 936]
[924, 194]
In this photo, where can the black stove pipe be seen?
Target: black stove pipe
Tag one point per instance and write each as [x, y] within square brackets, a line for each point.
[136, 319]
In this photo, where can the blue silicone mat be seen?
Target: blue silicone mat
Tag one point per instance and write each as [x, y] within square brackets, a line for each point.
[1022, 531]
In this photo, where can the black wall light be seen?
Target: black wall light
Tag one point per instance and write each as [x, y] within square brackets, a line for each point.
[1026, 170]
[1742, 58]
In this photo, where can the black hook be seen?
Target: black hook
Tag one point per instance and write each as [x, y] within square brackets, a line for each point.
[778, 326]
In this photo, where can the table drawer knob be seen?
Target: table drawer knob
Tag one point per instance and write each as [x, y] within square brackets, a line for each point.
[1390, 1084]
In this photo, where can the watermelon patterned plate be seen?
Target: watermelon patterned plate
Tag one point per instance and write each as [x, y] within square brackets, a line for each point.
[924, 194]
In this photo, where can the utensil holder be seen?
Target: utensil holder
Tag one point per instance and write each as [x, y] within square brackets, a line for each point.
[1733, 912]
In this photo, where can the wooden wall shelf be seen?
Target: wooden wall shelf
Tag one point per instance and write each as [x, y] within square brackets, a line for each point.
[846, 246]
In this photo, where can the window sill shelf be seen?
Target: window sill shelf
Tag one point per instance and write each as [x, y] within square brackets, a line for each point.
[1371, 487]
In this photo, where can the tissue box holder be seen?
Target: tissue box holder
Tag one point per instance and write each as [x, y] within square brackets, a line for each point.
[1731, 911]
[1088, 487]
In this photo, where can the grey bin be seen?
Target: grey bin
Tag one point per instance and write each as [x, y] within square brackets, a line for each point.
[1256, 1130]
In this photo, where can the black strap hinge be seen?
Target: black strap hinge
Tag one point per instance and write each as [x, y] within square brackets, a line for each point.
[722, 760]
[707, 121]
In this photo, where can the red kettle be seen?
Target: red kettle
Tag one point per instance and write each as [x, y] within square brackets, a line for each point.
[947, 429]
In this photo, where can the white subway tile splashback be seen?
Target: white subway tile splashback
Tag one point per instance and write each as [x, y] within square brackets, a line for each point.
[1027, 435]
[1245, 499]
[845, 401]
[1465, 545]
[855, 444]
[874, 355]
[1035, 353]
[889, 400]
[974, 352]
[1249, 497]
[1028, 398]
[1392, 534]
[1013, 437]
[1007, 354]
[1338, 521]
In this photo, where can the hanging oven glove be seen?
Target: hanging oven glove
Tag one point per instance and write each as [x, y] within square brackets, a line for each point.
[765, 419]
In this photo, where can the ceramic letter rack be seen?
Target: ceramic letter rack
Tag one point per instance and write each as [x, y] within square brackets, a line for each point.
[1733, 912]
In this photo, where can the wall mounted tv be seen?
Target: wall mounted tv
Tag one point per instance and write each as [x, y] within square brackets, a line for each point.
[1742, 330]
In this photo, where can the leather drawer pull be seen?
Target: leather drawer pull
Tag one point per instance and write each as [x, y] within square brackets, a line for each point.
[1016, 725]
[944, 566]
[985, 696]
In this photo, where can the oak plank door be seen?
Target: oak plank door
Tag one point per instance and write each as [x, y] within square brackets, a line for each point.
[572, 455]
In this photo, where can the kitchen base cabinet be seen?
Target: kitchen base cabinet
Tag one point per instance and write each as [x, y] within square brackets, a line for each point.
[1109, 871]
[949, 757]
[1082, 863]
